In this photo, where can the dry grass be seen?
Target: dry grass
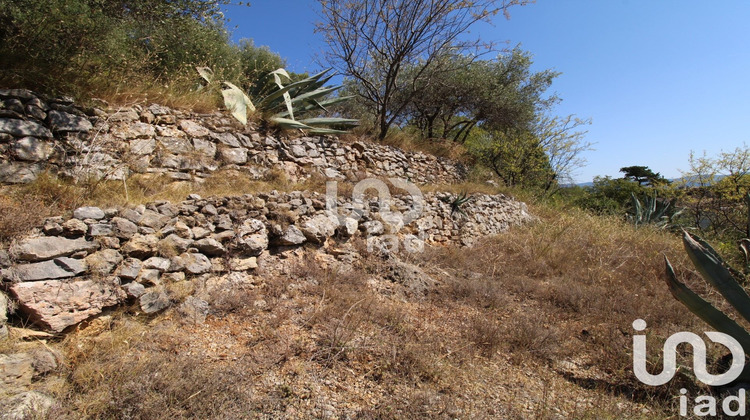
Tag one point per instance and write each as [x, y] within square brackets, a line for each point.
[535, 323]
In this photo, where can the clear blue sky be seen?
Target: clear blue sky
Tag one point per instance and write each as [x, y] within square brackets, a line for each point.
[659, 78]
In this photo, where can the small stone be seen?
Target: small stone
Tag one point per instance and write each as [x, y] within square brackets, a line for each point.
[210, 247]
[154, 301]
[100, 229]
[348, 227]
[320, 227]
[292, 236]
[194, 309]
[29, 404]
[200, 232]
[75, 228]
[243, 264]
[193, 129]
[234, 156]
[134, 290]
[83, 213]
[157, 263]
[22, 128]
[123, 228]
[153, 220]
[62, 121]
[173, 245]
[141, 246]
[31, 149]
[129, 269]
[252, 237]
[195, 263]
[149, 277]
[103, 262]
[173, 277]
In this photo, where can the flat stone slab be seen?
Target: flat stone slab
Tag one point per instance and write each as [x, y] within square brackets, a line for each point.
[59, 268]
[62, 121]
[48, 247]
[56, 304]
[23, 128]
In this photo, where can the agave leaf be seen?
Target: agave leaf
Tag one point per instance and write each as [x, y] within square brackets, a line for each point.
[271, 100]
[314, 122]
[206, 73]
[289, 123]
[716, 256]
[714, 270]
[237, 102]
[705, 310]
[322, 131]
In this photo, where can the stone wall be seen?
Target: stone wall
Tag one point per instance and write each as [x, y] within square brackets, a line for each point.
[38, 134]
[71, 269]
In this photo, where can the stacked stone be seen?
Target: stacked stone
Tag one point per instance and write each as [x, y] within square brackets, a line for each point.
[53, 134]
[72, 269]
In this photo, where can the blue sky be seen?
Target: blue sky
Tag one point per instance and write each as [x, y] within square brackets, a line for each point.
[659, 78]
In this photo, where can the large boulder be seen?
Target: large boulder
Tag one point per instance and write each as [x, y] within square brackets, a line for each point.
[32, 149]
[48, 247]
[56, 304]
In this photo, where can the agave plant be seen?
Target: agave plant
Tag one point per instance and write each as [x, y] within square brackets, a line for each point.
[457, 202]
[280, 106]
[724, 279]
[658, 212]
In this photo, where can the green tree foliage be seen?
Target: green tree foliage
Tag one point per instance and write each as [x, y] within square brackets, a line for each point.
[374, 41]
[78, 45]
[643, 175]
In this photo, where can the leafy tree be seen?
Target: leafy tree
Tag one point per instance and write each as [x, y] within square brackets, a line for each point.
[643, 175]
[373, 41]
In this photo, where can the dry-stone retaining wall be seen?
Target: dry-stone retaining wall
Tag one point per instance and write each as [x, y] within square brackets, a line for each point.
[38, 133]
[71, 269]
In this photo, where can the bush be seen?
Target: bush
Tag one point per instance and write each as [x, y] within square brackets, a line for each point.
[95, 46]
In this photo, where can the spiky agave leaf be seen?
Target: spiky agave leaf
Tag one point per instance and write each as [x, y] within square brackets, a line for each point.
[236, 102]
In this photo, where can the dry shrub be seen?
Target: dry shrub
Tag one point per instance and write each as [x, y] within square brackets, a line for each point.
[486, 335]
[19, 215]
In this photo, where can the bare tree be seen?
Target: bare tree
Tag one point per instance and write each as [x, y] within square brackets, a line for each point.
[372, 40]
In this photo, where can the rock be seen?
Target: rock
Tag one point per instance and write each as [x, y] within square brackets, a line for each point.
[227, 139]
[252, 237]
[292, 236]
[176, 145]
[134, 289]
[100, 229]
[4, 259]
[75, 228]
[348, 227]
[142, 147]
[52, 226]
[16, 371]
[298, 151]
[62, 121]
[129, 269]
[157, 263]
[103, 262]
[59, 268]
[23, 128]
[174, 245]
[320, 227]
[43, 361]
[24, 94]
[123, 228]
[19, 172]
[193, 129]
[195, 263]
[126, 115]
[411, 276]
[243, 264]
[3, 315]
[154, 301]
[31, 149]
[57, 304]
[141, 246]
[153, 220]
[26, 405]
[204, 147]
[84, 213]
[210, 247]
[234, 156]
[149, 276]
[194, 309]
[373, 228]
